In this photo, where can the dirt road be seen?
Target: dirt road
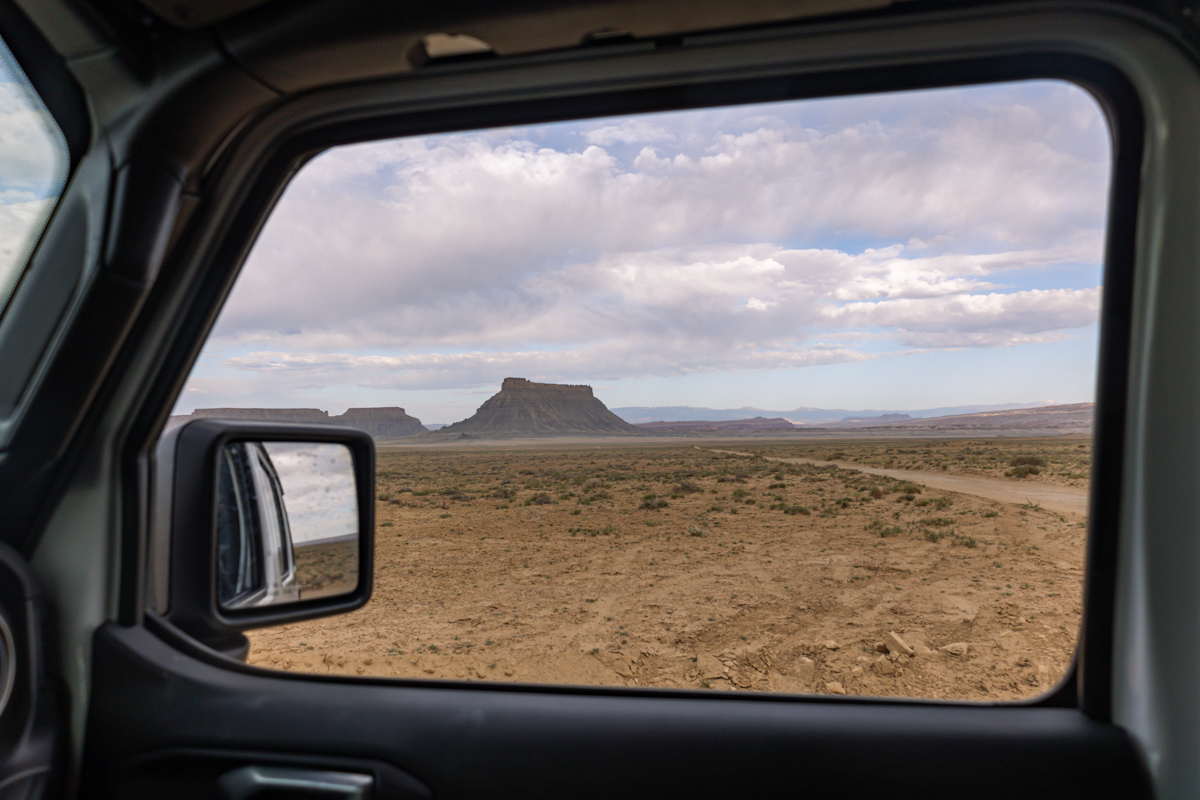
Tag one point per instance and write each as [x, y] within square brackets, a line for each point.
[1071, 500]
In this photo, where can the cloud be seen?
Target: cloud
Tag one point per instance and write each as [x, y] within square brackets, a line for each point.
[318, 488]
[33, 164]
[629, 131]
[602, 361]
[736, 239]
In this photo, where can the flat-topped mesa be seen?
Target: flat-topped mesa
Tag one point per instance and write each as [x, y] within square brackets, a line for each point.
[264, 414]
[523, 409]
[521, 384]
[382, 423]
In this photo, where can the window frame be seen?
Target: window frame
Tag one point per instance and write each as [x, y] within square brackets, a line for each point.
[262, 164]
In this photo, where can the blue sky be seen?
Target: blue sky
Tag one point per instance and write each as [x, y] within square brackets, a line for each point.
[892, 251]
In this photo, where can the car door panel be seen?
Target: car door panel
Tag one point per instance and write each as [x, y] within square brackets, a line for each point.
[465, 740]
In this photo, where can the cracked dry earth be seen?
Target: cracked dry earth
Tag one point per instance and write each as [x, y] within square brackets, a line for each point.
[563, 565]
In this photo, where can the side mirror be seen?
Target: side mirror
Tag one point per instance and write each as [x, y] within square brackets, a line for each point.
[268, 524]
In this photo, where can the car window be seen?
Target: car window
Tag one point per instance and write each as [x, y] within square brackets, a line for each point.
[33, 170]
[789, 397]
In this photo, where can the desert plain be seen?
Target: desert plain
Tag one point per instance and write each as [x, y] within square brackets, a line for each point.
[722, 565]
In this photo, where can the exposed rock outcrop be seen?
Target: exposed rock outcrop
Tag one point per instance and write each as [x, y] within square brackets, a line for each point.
[382, 423]
[264, 414]
[524, 409]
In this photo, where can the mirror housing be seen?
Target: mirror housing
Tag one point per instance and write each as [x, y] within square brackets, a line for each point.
[194, 535]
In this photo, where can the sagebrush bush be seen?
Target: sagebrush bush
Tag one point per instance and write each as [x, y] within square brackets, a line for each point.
[1029, 461]
[1023, 471]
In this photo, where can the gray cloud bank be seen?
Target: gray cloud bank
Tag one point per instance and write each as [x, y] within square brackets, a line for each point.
[727, 240]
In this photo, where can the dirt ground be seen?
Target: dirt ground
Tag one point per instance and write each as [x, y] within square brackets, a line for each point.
[669, 565]
[1064, 460]
[325, 569]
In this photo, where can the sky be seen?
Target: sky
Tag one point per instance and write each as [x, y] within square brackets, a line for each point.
[33, 167]
[894, 251]
[318, 488]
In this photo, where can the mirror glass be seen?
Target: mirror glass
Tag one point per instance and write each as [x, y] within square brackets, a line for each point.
[287, 523]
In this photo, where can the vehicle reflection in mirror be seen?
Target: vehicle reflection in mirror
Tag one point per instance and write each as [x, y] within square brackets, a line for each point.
[287, 523]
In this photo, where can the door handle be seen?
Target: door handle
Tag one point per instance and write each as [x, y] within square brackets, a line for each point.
[279, 783]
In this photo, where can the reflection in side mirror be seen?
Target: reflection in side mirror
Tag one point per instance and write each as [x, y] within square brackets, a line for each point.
[287, 523]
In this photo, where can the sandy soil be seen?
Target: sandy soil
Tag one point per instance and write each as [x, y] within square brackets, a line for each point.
[557, 565]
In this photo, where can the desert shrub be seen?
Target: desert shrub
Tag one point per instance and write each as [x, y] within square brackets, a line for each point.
[750, 501]
[687, 487]
[875, 525]
[504, 493]
[384, 497]
[540, 499]
[943, 503]
[803, 510]
[601, 496]
[936, 536]
[965, 541]
[991, 513]
[893, 530]
[876, 493]
[591, 483]
[938, 522]
[738, 494]
[1027, 461]
[908, 487]
[461, 497]
[906, 497]
[777, 485]
[1023, 471]
[653, 503]
[693, 530]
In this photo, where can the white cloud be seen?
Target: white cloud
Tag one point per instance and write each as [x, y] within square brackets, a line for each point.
[628, 131]
[318, 489]
[725, 240]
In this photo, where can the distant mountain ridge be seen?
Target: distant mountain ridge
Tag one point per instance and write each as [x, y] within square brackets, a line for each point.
[382, 423]
[800, 416]
[694, 426]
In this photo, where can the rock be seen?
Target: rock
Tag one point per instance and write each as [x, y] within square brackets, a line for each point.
[709, 667]
[524, 409]
[1009, 641]
[835, 688]
[919, 649]
[955, 649]
[884, 667]
[895, 644]
[381, 423]
[623, 668]
[880, 647]
[832, 645]
[856, 671]
[804, 671]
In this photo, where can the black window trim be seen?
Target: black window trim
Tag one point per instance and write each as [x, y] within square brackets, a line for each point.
[1087, 684]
